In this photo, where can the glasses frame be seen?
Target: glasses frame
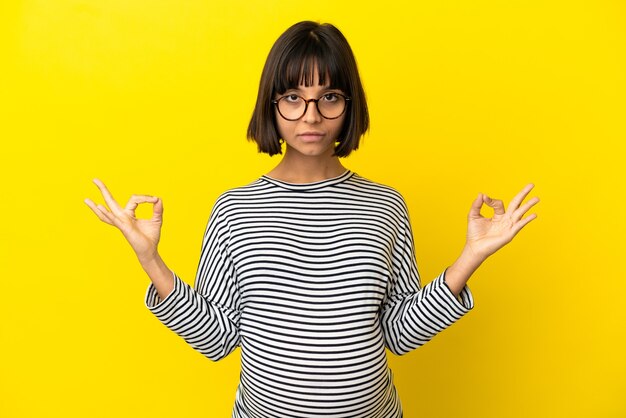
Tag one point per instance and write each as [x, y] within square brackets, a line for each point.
[306, 105]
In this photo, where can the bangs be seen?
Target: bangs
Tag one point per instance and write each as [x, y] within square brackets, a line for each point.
[299, 65]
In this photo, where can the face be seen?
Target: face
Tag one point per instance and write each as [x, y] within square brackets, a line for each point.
[312, 135]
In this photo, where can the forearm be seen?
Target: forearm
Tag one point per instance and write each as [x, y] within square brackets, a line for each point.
[412, 319]
[161, 276]
[461, 270]
[211, 328]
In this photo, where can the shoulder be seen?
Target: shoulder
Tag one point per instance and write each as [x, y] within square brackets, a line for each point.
[237, 197]
[380, 192]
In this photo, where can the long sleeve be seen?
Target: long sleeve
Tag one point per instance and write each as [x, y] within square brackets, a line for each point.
[206, 317]
[411, 316]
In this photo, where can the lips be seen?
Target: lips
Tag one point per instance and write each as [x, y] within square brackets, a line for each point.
[311, 136]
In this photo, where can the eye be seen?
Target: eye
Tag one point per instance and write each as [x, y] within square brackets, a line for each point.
[291, 98]
[330, 97]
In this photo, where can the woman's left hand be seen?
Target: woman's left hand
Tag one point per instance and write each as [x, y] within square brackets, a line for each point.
[485, 236]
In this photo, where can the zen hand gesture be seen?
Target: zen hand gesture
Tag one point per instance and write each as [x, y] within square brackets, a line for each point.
[142, 234]
[487, 235]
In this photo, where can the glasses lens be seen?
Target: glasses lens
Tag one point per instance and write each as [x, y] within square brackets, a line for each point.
[331, 105]
[291, 107]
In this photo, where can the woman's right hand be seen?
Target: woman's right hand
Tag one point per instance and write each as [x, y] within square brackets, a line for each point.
[142, 234]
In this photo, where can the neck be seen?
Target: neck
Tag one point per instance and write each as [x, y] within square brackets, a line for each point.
[303, 169]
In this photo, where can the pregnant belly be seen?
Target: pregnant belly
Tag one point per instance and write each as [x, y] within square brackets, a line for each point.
[311, 363]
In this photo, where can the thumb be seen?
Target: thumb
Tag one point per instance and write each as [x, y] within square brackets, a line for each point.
[476, 205]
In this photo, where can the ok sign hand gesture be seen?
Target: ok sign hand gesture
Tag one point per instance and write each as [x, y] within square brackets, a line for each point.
[485, 236]
[142, 234]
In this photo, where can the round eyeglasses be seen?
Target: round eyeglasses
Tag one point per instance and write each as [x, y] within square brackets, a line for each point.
[292, 107]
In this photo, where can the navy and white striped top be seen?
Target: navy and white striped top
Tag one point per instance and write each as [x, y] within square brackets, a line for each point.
[312, 281]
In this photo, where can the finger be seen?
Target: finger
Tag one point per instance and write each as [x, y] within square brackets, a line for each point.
[519, 198]
[476, 205]
[135, 200]
[157, 211]
[496, 204]
[111, 219]
[108, 198]
[524, 221]
[98, 211]
[517, 215]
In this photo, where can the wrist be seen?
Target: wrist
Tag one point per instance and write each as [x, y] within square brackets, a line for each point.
[155, 268]
[149, 259]
[470, 258]
[462, 269]
[161, 276]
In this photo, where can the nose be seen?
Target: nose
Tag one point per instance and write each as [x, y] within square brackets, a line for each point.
[311, 115]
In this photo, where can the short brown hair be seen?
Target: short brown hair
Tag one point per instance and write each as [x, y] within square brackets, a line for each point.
[292, 61]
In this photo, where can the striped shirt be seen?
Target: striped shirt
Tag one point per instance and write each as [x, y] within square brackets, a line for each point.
[312, 281]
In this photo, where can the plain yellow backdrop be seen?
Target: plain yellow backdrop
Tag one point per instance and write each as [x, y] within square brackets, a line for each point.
[465, 97]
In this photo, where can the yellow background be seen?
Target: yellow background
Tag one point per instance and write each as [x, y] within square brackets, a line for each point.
[466, 97]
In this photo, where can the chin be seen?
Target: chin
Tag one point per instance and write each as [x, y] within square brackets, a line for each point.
[317, 152]
[314, 150]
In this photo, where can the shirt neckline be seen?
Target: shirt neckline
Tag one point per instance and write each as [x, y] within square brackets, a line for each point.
[312, 185]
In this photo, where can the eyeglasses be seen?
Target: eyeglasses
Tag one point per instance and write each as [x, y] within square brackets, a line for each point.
[292, 107]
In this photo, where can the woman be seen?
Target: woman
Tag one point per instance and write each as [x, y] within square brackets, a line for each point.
[310, 269]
